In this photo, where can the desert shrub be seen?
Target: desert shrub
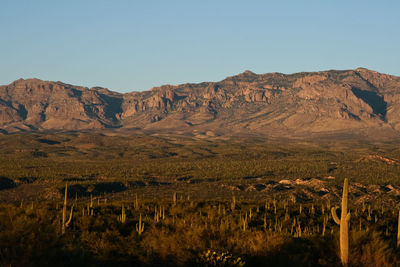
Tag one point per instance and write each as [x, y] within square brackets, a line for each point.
[368, 248]
[27, 237]
[190, 233]
[6, 183]
[219, 259]
[255, 243]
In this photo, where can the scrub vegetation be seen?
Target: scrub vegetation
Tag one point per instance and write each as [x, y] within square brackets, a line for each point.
[96, 200]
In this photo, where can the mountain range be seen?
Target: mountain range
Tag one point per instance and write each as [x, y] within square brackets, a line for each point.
[334, 101]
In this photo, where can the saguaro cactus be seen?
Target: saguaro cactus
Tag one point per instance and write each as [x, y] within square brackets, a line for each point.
[66, 223]
[174, 199]
[344, 224]
[398, 231]
[244, 222]
[136, 202]
[233, 203]
[122, 217]
[140, 226]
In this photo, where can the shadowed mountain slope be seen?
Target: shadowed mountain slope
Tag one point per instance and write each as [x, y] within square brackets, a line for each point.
[273, 103]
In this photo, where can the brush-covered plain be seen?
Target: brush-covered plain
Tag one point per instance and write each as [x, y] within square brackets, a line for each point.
[141, 200]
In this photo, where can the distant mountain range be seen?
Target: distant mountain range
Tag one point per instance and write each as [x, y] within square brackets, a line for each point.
[332, 101]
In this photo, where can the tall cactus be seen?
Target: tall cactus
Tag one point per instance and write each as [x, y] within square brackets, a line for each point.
[122, 217]
[140, 226]
[136, 202]
[398, 231]
[244, 222]
[344, 224]
[174, 199]
[66, 223]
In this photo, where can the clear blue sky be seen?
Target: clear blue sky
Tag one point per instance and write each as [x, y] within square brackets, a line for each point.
[135, 45]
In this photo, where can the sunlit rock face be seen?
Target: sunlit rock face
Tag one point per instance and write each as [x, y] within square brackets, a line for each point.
[316, 102]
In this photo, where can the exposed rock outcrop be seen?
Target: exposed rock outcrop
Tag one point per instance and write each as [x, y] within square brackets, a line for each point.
[302, 102]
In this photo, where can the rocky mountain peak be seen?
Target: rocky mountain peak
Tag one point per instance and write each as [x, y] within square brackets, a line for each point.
[323, 101]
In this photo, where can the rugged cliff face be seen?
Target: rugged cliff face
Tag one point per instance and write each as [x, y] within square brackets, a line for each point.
[35, 104]
[303, 102]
